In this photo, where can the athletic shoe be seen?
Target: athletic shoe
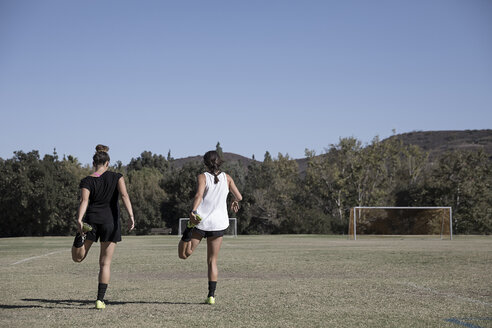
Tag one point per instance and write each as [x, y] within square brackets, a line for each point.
[100, 305]
[190, 225]
[86, 227]
[210, 300]
[187, 234]
[78, 240]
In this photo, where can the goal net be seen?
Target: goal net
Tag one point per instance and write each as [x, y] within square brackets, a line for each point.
[231, 230]
[401, 221]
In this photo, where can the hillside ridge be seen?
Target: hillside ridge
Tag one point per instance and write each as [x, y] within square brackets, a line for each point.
[434, 142]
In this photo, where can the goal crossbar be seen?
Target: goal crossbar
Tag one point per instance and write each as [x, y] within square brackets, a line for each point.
[353, 221]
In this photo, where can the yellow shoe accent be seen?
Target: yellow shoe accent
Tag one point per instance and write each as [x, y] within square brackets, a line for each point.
[198, 217]
[86, 227]
[100, 305]
[210, 300]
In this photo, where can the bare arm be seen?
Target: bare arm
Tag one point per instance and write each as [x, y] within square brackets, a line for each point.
[235, 192]
[126, 201]
[84, 202]
[202, 183]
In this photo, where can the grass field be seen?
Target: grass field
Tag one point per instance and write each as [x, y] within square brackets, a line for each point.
[264, 281]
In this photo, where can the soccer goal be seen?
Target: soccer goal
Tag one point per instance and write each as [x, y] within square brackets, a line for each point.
[230, 232]
[401, 221]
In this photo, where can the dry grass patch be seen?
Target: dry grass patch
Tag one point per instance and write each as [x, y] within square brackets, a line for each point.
[264, 281]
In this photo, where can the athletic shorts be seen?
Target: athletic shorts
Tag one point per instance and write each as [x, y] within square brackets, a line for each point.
[205, 234]
[104, 232]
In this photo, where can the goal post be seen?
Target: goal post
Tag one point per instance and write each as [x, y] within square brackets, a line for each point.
[427, 220]
[230, 232]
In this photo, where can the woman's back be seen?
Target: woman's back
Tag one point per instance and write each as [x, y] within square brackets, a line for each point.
[103, 198]
[213, 208]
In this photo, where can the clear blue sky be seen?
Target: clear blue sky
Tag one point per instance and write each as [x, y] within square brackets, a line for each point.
[259, 75]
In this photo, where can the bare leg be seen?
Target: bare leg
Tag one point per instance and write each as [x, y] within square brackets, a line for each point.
[213, 247]
[79, 253]
[186, 248]
[105, 257]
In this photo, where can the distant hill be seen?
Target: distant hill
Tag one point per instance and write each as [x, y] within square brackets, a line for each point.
[435, 142]
[228, 157]
[438, 142]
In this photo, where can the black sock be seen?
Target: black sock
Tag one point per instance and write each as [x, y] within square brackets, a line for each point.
[101, 291]
[211, 288]
[187, 234]
[78, 241]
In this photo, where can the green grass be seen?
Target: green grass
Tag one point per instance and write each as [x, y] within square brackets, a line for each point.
[264, 281]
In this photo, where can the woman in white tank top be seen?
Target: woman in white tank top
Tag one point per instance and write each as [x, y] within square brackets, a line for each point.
[209, 217]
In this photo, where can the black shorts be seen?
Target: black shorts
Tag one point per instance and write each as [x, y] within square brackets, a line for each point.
[105, 232]
[205, 234]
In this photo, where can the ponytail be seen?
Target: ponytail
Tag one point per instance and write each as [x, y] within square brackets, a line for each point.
[213, 162]
[216, 179]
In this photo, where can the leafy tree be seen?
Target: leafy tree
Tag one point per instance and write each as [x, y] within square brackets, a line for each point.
[149, 160]
[39, 197]
[180, 186]
[350, 175]
[270, 191]
[462, 179]
[329, 180]
[147, 198]
[219, 151]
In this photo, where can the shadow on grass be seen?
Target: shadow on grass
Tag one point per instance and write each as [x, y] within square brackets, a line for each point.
[5, 306]
[81, 304]
[84, 302]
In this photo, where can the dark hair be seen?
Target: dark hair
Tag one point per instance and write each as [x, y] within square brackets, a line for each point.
[101, 156]
[213, 162]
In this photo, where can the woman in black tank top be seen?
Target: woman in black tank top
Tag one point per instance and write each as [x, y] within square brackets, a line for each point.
[98, 217]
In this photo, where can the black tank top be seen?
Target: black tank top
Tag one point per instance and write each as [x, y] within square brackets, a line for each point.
[103, 198]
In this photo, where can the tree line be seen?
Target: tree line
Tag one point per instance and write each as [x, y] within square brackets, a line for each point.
[39, 196]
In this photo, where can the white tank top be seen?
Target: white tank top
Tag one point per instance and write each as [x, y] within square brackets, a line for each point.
[213, 208]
